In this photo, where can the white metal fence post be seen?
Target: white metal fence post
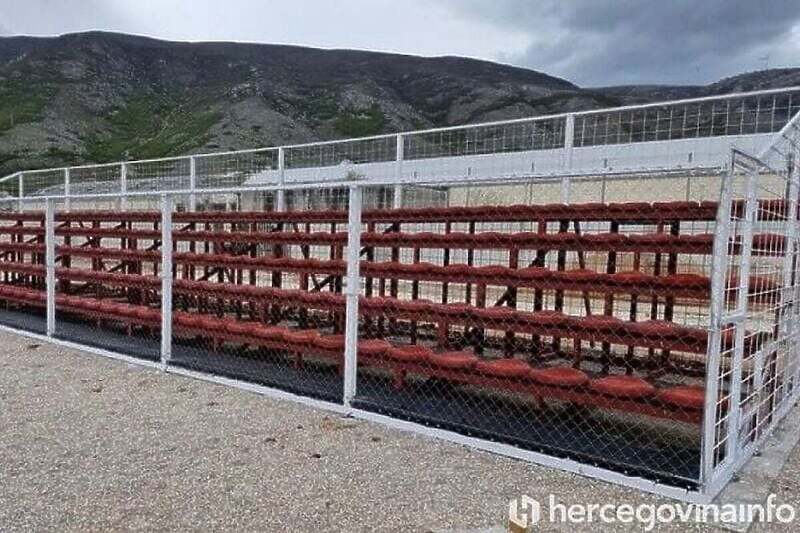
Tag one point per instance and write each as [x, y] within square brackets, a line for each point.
[353, 290]
[569, 141]
[21, 187]
[67, 199]
[719, 268]
[192, 184]
[166, 279]
[397, 202]
[50, 264]
[280, 199]
[123, 186]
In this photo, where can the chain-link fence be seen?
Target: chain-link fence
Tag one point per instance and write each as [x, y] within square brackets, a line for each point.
[639, 323]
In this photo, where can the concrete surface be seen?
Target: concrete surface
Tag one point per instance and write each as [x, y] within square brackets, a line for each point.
[91, 444]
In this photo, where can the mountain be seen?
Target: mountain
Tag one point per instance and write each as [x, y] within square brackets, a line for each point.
[98, 97]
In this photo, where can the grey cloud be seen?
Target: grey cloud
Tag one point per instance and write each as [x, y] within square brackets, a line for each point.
[598, 42]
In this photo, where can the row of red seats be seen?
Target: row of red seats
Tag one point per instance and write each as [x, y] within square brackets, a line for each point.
[763, 244]
[629, 392]
[596, 328]
[566, 383]
[657, 212]
[580, 280]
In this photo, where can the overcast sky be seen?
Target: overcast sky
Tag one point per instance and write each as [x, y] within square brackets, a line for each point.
[589, 42]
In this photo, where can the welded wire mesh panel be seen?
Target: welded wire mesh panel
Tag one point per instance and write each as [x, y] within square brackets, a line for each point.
[758, 375]
[158, 176]
[108, 289]
[99, 179]
[579, 330]
[9, 189]
[257, 294]
[538, 134]
[767, 113]
[22, 274]
[241, 169]
[342, 160]
[44, 182]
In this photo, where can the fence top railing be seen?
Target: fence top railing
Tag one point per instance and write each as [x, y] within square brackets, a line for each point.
[566, 116]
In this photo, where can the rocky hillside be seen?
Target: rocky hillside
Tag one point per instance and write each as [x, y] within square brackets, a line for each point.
[96, 97]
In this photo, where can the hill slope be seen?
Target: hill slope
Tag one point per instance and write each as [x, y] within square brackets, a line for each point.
[96, 97]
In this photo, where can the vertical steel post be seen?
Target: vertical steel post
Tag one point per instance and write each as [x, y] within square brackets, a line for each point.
[192, 184]
[123, 187]
[352, 292]
[21, 187]
[789, 303]
[569, 143]
[740, 315]
[397, 202]
[719, 269]
[50, 264]
[166, 279]
[280, 198]
[67, 199]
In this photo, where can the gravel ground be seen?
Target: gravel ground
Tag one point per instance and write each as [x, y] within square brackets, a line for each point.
[90, 444]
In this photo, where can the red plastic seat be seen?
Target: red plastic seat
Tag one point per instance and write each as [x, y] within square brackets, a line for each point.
[376, 303]
[557, 210]
[305, 337]
[602, 323]
[503, 368]
[596, 207]
[496, 314]
[373, 348]
[491, 238]
[628, 387]
[236, 327]
[630, 208]
[689, 397]
[422, 307]
[90, 304]
[704, 241]
[492, 271]
[252, 291]
[454, 360]
[652, 239]
[427, 239]
[147, 314]
[559, 376]
[686, 281]
[458, 311]
[657, 328]
[188, 320]
[552, 319]
[579, 275]
[631, 278]
[604, 238]
[564, 238]
[458, 271]
[330, 342]
[677, 209]
[409, 354]
[528, 238]
[270, 333]
[533, 273]
[420, 269]
[211, 323]
[385, 269]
